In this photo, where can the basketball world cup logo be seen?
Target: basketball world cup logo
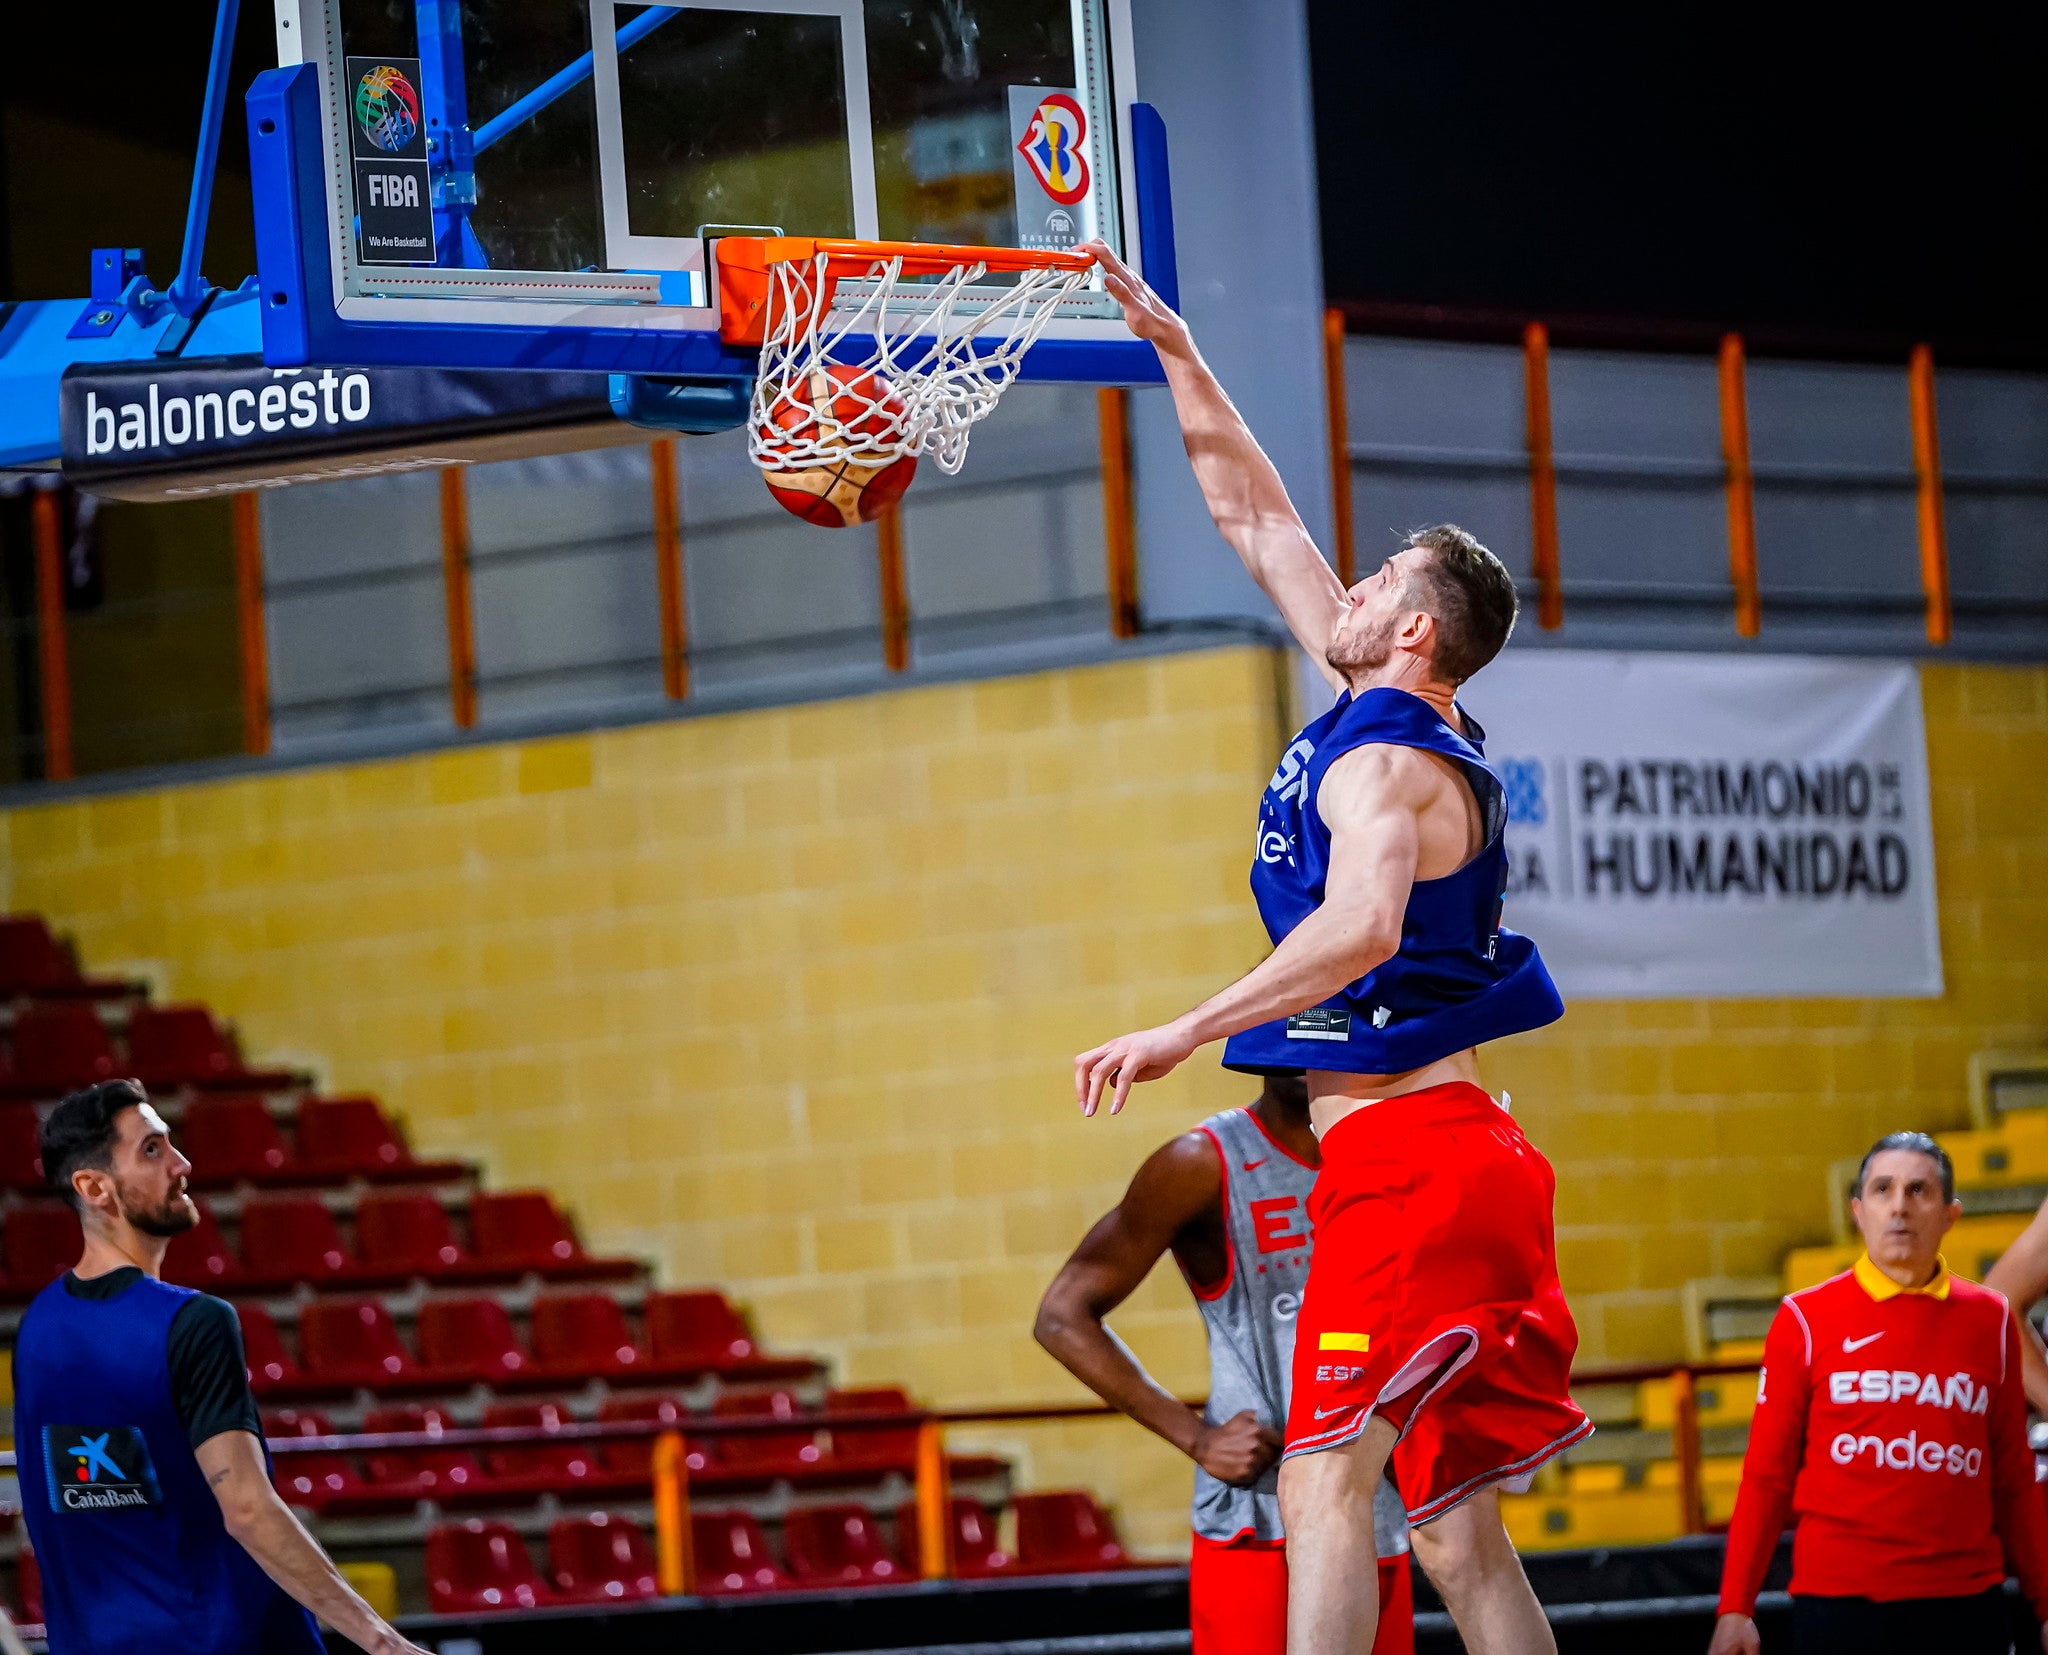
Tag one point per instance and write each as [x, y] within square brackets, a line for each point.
[387, 108]
[1054, 147]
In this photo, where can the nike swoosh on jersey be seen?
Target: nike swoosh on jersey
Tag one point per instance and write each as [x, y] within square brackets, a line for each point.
[1253, 1166]
[1857, 1344]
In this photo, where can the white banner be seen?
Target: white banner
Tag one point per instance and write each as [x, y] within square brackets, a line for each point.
[1720, 825]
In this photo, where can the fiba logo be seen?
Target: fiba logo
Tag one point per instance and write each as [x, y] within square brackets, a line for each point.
[1060, 223]
[387, 108]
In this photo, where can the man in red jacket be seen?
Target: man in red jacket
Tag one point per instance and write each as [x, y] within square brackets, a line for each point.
[1891, 1423]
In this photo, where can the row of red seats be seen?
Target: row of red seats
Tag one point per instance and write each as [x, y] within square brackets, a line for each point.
[347, 1345]
[61, 1045]
[478, 1566]
[401, 1236]
[395, 1479]
[33, 963]
[232, 1138]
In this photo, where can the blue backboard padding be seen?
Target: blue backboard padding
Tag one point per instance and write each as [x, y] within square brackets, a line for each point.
[34, 352]
[1161, 264]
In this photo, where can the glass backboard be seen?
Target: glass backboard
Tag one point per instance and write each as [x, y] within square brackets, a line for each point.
[540, 182]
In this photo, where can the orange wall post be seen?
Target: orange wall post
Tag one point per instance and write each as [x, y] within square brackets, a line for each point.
[1542, 478]
[934, 1504]
[674, 1561]
[1334, 400]
[248, 532]
[895, 588]
[455, 580]
[1741, 488]
[1685, 1437]
[668, 569]
[1119, 518]
[1927, 462]
[51, 654]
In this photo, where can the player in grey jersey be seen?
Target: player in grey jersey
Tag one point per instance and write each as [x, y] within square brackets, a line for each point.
[1229, 1200]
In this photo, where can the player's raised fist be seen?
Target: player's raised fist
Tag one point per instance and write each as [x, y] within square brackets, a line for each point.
[1238, 1450]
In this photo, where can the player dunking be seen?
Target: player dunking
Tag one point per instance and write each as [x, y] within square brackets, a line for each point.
[1229, 1200]
[1433, 1331]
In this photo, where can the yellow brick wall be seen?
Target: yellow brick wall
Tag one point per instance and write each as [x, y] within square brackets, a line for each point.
[783, 1000]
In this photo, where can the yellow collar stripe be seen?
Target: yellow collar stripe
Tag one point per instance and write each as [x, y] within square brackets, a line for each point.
[1881, 1287]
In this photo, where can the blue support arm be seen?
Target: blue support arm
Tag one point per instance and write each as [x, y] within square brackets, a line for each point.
[188, 288]
[518, 113]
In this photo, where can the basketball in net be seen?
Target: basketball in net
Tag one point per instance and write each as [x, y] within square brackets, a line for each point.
[853, 421]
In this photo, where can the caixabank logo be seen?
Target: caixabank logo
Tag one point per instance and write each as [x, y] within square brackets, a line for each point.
[99, 1468]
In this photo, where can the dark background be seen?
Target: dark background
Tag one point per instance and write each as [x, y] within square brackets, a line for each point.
[1833, 184]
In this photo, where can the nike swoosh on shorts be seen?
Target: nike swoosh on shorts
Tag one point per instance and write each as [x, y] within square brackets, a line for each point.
[1253, 1166]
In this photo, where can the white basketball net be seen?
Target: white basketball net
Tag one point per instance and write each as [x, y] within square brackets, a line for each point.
[936, 359]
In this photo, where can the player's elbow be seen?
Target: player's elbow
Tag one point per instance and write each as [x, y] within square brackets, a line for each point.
[243, 1511]
[1059, 1322]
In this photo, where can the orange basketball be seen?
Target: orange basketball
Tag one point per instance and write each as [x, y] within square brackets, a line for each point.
[841, 403]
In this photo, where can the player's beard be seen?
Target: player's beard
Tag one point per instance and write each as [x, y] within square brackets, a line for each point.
[1364, 649]
[172, 1217]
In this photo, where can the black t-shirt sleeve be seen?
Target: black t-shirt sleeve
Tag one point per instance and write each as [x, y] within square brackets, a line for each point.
[209, 1380]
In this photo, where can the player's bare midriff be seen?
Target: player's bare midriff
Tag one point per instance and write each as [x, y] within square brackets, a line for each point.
[1333, 1094]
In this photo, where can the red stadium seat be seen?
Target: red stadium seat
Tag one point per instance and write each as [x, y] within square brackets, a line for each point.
[231, 1139]
[732, 1555]
[874, 1449]
[1066, 1533]
[41, 1240]
[407, 1233]
[352, 1342]
[600, 1559]
[58, 1048]
[36, 965]
[447, 1476]
[288, 1239]
[696, 1330]
[976, 1555]
[28, 1584]
[629, 1461]
[175, 1046]
[545, 1467]
[201, 1258]
[351, 1138]
[521, 1231]
[766, 1453]
[479, 1566]
[312, 1482]
[271, 1369]
[838, 1546]
[578, 1335]
[21, 1150]
[469, 1342]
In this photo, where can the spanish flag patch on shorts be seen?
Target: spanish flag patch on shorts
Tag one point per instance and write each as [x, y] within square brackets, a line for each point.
[1345, 1341]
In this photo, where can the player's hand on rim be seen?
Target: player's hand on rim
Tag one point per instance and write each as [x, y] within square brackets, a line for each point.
[1237, 1451]
[1119, 1065]
[1146, 314]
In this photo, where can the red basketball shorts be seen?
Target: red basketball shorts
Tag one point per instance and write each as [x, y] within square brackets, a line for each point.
[1432, 1299]
[1237, 1600]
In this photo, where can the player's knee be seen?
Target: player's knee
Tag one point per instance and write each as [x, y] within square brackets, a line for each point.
[1463, 1549]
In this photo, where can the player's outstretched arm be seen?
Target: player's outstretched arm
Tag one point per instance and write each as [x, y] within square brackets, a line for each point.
[1372, 800]
[2021, 1274]
[1244, 492]
[1179, 1184]
[263, 1525]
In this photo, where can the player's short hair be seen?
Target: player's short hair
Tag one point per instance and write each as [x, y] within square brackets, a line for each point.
[1917, 1143]
[1470, 595]
[80, 1132]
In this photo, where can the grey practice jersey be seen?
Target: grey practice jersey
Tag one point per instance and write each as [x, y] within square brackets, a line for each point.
[1250, 1317]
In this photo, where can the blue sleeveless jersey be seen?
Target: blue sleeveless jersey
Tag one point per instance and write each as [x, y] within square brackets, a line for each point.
[1458, 979]
[135, 1558]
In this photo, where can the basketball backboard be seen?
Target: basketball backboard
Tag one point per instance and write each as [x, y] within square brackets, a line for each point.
[540, 183]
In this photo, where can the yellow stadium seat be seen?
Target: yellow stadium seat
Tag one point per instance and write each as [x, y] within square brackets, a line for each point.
[1721, 1399]
[2008, 1086]
[1975, 1244]
[1726, 1316]
[1719, 1479]
[2013, 1152]
[1806, 1266]
[1601, 1506]
[377, 1583]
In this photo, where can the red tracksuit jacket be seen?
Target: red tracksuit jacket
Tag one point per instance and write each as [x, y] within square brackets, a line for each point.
[1891, 1422]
